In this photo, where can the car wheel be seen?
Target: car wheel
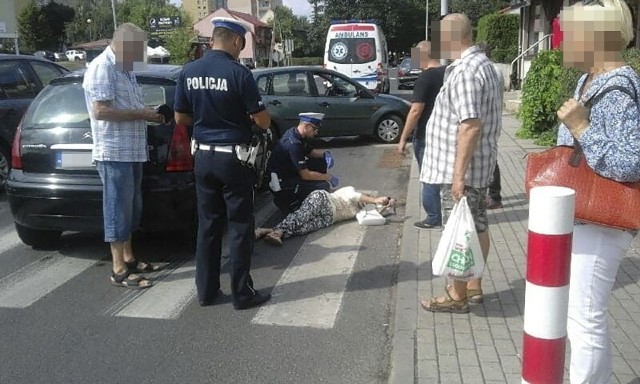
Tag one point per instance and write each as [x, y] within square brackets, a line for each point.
[37, 238]
[388, 129]
[5, 165]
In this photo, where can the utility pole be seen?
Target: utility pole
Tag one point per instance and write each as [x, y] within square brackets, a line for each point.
[426, 24]
[273, 41]
[113, 9]
[444, 9]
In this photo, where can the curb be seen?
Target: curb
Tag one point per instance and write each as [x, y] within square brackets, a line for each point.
[404, 348]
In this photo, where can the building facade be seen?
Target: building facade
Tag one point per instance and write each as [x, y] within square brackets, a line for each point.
[536, 29]
[258, 40]
[199, 9]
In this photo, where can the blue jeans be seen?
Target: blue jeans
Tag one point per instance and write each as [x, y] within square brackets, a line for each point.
[121, 198]
[430, 192]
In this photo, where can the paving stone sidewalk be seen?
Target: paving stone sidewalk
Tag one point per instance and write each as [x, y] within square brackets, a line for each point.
[485, 346]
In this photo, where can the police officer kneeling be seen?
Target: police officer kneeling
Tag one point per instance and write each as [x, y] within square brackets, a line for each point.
[219, 97]
[296, 169]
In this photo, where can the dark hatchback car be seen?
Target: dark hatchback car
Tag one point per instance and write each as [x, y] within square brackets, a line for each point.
[21, 79]
[350, 109]
[54, 187]
[407, 74]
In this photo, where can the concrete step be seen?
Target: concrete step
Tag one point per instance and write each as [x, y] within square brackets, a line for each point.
[511, 95]
[512, 106]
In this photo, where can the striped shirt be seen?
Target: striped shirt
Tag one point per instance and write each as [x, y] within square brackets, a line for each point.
[124, 141]
[472, 89]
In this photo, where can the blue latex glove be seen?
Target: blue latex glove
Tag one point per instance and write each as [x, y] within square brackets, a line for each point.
[328, 157]
[334, 181]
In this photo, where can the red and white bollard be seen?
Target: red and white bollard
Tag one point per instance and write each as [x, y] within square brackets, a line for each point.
[551, 217]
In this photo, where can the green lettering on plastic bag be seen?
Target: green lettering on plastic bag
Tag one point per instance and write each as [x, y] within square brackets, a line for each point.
[461, 257]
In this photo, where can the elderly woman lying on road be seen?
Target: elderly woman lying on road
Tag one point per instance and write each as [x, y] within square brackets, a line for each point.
[320, 210]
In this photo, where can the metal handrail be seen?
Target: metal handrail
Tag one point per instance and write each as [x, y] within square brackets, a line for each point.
[531, 47]
[525, 52]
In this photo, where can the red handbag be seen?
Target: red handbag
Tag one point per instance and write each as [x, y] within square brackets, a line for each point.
[599, 200]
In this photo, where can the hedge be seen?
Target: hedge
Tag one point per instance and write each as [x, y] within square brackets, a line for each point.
[307, 61]
[500, 33]
[547, 86]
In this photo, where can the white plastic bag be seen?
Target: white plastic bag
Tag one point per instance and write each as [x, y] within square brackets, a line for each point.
[459, 256]
[369, 215]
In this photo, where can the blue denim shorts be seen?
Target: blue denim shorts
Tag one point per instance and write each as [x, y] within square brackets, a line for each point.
[121, 198]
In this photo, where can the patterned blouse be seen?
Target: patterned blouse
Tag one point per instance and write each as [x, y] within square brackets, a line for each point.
[611, 144]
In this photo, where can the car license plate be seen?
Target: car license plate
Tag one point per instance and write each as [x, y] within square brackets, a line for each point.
[74, 160]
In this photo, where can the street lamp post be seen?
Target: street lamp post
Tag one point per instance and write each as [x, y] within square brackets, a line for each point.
[90, 34]
[113, 9]
[426, 24]
[444, 9]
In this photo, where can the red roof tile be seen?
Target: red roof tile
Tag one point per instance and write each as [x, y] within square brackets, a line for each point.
[248, 18]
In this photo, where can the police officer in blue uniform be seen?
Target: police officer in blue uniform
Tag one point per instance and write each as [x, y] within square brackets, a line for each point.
[219, 97]
[296, 169]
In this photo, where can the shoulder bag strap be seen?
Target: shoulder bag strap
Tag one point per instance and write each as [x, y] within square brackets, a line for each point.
[574, 161]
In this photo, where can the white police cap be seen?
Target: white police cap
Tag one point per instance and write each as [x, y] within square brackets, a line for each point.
[311, 117]
[240, 27]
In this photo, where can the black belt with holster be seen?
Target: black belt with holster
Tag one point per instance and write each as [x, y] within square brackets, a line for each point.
[254, 155]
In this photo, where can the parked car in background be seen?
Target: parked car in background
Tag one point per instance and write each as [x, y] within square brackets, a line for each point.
[22, 77]
[350, 109]
[45, 55]
[54, 187]
[74, 55]
[407, 74]
[60, 56]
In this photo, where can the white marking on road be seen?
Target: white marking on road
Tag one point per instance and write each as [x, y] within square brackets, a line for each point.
[9, 240]
[173, 289]
[166, 299]
[34, 281]
[310, 291]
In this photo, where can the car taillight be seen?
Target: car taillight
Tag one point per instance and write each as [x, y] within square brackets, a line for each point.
[179, 158]
[16, 159]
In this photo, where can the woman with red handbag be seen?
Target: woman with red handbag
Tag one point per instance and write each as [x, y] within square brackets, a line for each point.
[595, 33]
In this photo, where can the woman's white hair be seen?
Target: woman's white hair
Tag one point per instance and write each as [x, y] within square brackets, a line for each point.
[611, 16]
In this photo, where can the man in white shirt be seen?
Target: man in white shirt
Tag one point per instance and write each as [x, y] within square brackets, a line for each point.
[462, 142]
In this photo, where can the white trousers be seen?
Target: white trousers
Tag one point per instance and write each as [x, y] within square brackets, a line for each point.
[596, 256]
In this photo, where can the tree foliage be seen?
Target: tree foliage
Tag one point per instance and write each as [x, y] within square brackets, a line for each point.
[178, 43]
[43, 27]
[100, 27]
[500, 33]
[289, 26]
[33, 27]
[138, 12]
[403, 21]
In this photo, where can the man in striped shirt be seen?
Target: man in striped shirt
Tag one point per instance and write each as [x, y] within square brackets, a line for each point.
[462, 141]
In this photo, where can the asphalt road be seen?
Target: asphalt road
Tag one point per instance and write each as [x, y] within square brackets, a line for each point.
[62, 322]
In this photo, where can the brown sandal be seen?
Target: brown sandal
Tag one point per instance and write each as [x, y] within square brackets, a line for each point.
[474, 296]
[449, 305]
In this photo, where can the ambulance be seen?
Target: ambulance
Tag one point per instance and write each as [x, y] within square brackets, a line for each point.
[358, 49]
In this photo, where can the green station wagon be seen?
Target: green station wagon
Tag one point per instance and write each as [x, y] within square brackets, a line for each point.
[350, 109]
